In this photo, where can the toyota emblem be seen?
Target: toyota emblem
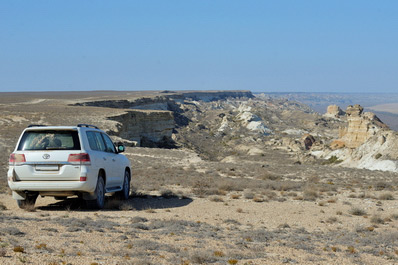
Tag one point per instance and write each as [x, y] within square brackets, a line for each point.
[46, 156]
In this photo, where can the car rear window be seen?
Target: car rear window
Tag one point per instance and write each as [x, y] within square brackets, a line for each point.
[50, 140]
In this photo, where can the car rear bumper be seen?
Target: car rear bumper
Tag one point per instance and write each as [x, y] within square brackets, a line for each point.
[54, 185]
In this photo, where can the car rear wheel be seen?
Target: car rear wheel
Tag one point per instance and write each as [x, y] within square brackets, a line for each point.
[28, 203]
[125, 192]
[99, 202]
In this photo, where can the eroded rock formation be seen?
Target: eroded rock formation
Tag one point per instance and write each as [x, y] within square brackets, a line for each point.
[361, 127]
[334, 111]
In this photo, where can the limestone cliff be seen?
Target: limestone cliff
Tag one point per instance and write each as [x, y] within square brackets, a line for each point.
[361, 127]
[147, 128]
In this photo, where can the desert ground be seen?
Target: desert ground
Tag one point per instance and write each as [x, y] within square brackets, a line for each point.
[185, 208]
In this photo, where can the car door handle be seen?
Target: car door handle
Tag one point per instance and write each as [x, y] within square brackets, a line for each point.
[104, 158]
[113, 160]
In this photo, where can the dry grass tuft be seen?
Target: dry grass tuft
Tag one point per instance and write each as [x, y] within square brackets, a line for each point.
[216, 199]
[376, 219]
[357, 211]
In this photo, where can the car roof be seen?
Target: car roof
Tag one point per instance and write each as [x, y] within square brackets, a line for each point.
[45, 127]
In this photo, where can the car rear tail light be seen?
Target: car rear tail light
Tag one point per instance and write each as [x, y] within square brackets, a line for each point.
[16, 159]
[83, 178]
[79, 159]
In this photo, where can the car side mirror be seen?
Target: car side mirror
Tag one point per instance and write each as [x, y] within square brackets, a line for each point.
[120, 148]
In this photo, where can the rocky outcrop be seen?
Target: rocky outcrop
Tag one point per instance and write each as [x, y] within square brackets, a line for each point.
[361, 127]
[380, 152]
[251, 121]
[308, 140]
[147, 128]
[334, 111]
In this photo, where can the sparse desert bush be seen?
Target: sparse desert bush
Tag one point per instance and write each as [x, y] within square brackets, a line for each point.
[332, 160]
[357, 211]
[235, 196]
[394, 216]
[3, 252]
[125, 206]
[2, 207]
[216, 199]
[202, 257]
[166, 193]
[258, 199]
[284, 226]
[376, 219]
[310, 194]
[41, 246]
[386, 196]
[332, 220]
[138, 219]
[219, 253]
[381, 185]
[270, 194]
[248, 195]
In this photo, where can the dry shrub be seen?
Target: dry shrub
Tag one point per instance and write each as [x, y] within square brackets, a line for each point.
[332, 220]
[376, 219]
[258, 199]
[248, 195]
[310, 194]
[19, 249]
[386, 196]
[216, 199]
[357, 211]
[270, 194]
[235, 196]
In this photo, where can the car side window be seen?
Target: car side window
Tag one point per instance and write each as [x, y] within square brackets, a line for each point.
[100, 141]
[110, 147]
[92, 141]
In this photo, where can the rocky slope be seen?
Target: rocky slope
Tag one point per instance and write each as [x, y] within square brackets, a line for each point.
[365, 142]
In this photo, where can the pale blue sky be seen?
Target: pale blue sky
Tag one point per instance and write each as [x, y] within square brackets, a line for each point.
[280, 45]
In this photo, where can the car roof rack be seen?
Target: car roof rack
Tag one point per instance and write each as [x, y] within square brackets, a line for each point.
[87, 125]
[36, 125]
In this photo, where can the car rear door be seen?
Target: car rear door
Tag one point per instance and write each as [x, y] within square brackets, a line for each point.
[117, 168]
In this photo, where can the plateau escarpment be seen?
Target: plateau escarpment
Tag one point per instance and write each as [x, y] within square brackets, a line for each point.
[146, 128]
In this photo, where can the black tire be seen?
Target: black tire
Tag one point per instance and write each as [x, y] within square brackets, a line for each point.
[124, 194]
[99, 202]
[28, 203]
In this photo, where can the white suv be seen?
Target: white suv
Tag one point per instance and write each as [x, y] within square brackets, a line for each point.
[62, 161]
